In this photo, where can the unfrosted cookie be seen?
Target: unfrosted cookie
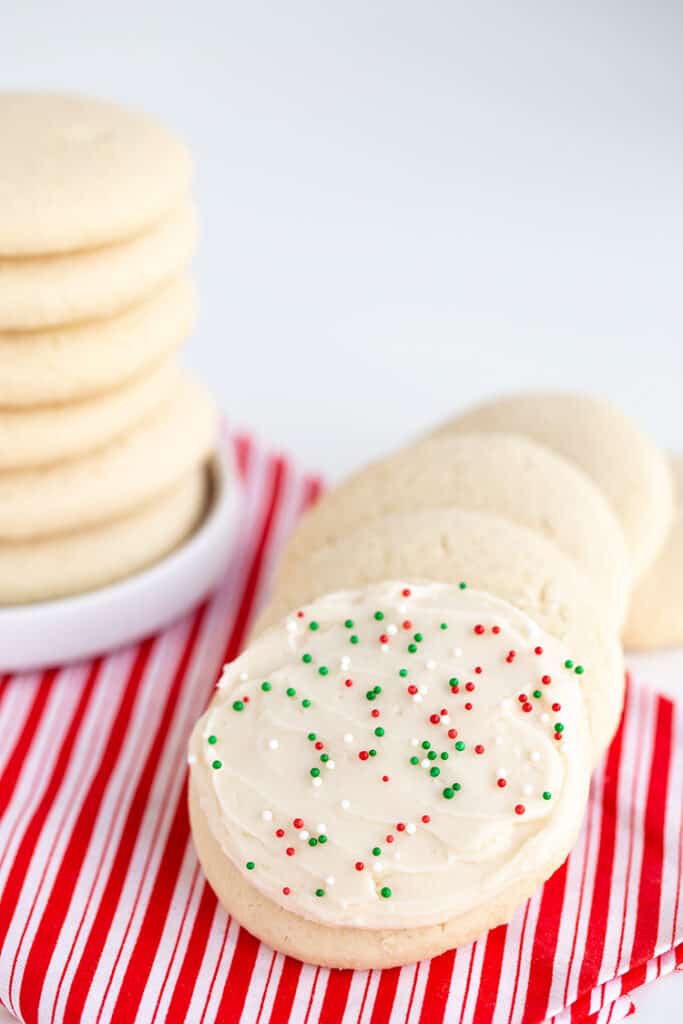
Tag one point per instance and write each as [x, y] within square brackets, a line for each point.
[65, 288]
[70, 363]
[655, 617]
[358, 800]
[78, 173]
[491, 554]
[112, 481]
[627, 467]
[505, 474]
[71, 563]
[50, 433]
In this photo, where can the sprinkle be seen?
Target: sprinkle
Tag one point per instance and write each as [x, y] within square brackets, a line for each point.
[391, 630]
[313, 625]
[434, 772]
[363, 755]
[379, 616]
[349, 623]
[348, 738]
[353, 639]
[385, 891]
[569, 663]
[298, 823]
[519, 808]
[430, 664]
[279, 832]
[216, 764]
[495, 629]
[244, 676]
[305, 703]
[345, 804]
[412, 648]
[250, 865]
[460, 745]
[360, 865]
[286, 890]
[410, 829]
[444, 625]
[501, 782]
[448, 793]
[330, 880]
[426, 819]
[463, 585]
[406, 592]
[265, 686]
[307, 659]
[479, 629]
[290, 691]
[414, 760]
[538, 650]
[479, 749]
[191, 759]
[579, 670]
[267, 815]
[320, 892]
[547, 795]
[212, 740]
[535, 756]
[546, 680]
[348, 682]
[273, 744]
[290, 851]
[315, 772]
[323, 670]
[331, 765]
[379, 731]
[238, 705]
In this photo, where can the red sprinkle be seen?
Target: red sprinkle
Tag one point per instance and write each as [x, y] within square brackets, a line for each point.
[557, 707]
[412, 688]
[527, 707]
[468, 706]
[426, 819]
[359, 865]
[511, 656]
[479, 670]
[470, 687]
[479, 749]
[279, 832]
[444, 711]
[479, 629]
[298, 823]
[375, 713]
[245, 699]
[319, 745]
[390, 839]
[546, 680]
[435, 719]
[557, 736]
[522, 698]
[495, 629]
[406, 592]
[502, 783]
[538, 650]
[299, 615]
[400, 827]
[363, 755]
[385, 778]
[384, 639]
[407, 624]
[290, 851]
[452, 733]
[286, 890]
[348, 682]
[519, 808]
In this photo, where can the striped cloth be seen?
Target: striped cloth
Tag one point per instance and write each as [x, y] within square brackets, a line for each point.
[105, 915]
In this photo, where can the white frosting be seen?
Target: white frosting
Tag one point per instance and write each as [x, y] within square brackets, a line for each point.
[452, 831]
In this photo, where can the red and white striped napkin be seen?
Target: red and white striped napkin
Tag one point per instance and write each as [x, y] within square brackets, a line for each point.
[105, 915]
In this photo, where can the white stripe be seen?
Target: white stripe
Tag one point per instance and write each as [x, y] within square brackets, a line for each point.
[355, 997]
[525, 965]
[419, 994]
[673, 836]
[217, 933]
[456, 993]
[307, 977]
[508, 968]
[14, 711]
[317, 1001]
[271, 993]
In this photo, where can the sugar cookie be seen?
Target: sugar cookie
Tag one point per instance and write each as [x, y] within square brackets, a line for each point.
[655, 617]
[71, 363]
[357, 802]
[115, 479]
[504, 474]
[79, 172]
[491, 554]
[47, 291]
[627, 467]
[51, 433]
[71, 563]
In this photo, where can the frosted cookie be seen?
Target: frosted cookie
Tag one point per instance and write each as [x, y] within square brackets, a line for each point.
[51, 433]
[627, 467]
[655, 617]
[71, 363]
[65, 288]
[112, 481]
[357, 800]
[78, 173]
[491, 554]
[505, 474]
[72, 563]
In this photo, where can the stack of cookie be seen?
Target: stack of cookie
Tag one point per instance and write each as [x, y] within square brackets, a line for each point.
[460, 667]
[103, 440]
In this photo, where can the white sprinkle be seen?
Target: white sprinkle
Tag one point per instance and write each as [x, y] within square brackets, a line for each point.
[330, 879]
[322, 828]
[535, 755]
[425, 762]
[377, 866]
[345, 661]
[303, 834]
[348, 738]
[457, 652]
[446, 719]
[410, 829]
[414, 742]
[430, 663]
[267, 815]
[397, 856]
[345, 805]
[244, 676]
[403, 607]
[317, 782]
[417, 699]
[545, 717]
[422, 689]
[273, 744]
[527, 789]
[392, 630]
[191, 759]
[501, 773]
[291, 626]
[506, 703]
[384, 647]
[498, 740]
[330, 766]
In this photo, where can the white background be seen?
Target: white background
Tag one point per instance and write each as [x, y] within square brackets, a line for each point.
[407, 206]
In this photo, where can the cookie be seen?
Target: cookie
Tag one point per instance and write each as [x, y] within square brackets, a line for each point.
[71, 363]
[627, 467]
[113, 480]
[504, 474]
[75, 562]
[362, 805]
[655, 617]
[490, 554]
[80, 172]
[47, 291]
[51, 433]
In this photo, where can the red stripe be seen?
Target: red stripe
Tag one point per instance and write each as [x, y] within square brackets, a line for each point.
[312, 995]
[194, 954]
[286, 989]
[545, 946]
[336, 996]
[8, 779]
[385, 995]
[490, 975]
[147, 942]
[412, 991]
[651, 869]
[519, 961]
[266, 986]
[437, 988]
[176, 941]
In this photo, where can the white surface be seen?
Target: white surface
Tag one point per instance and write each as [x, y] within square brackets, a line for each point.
[408, 206]
[56, 632]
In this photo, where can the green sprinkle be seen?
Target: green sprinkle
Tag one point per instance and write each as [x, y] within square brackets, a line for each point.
[463, 586]
[370, 694]
[290, 691]
[559, 727]
[372, 752]
[376, 851]
[435, 772]
[307, 659]
[349, 623]
[250, 865]
[320, 892]
[444, 625]
[313, 626]
[448, 793]
[454, 681]
[414, 759]
[459, 745]
[312, 841]
[212, 740]
[305, 703]
[323, 670]
[312, 736]
[354, 639]
[237, 705]
[432, 755]
[403, 672]
[265, 686]
[216, 764]
[569, 663]
[377, 689]
[457, 787]
[418, 638]
[322, 839]
[379, 731]
[324, 758]
[379, 616]
[426, 744]
[579, 670]
[444, 756]
[547, 795]
[315, 772]
[385, 891]
[537, 694]
[412, 648]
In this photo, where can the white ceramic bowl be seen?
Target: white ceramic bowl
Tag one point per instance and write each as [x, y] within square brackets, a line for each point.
[55, 632]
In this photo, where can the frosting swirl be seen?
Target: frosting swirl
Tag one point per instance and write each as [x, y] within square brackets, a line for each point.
[395, 756]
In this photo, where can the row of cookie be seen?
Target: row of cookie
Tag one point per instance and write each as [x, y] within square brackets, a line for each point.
[103, 442]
